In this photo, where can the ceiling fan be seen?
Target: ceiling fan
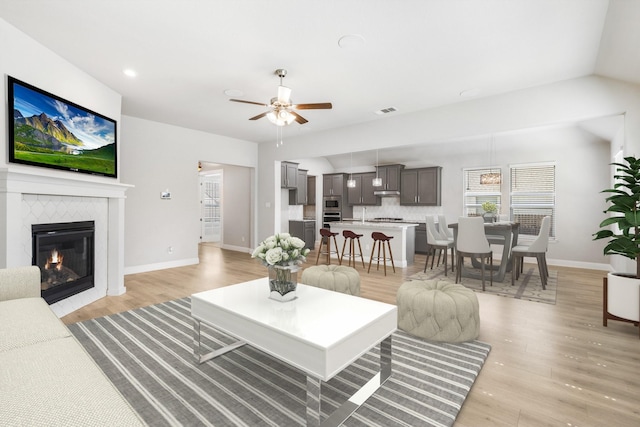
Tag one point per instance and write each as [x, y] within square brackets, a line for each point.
[281, 108]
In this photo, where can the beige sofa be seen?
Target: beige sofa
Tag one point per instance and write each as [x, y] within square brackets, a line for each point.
[46, 376]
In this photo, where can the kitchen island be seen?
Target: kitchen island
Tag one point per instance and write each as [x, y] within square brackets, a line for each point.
[402, 244]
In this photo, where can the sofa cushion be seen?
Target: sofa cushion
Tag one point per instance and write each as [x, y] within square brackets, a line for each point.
[56, 383]
[26, 321]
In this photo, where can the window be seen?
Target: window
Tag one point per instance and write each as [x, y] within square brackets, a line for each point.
[476, 192]
[533, 196]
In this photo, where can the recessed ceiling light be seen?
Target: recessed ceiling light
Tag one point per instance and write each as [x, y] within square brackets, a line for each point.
[351, 41]
[233, 92]
[470, 93]
[129, 72]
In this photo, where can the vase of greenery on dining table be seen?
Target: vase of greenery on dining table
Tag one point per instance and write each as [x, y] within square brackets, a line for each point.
[282, 254]
[490, 211]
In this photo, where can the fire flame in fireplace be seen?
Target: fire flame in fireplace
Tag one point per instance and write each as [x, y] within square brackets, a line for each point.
[55, 260]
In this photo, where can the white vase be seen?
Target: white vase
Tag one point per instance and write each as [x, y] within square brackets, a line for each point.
[623, 297]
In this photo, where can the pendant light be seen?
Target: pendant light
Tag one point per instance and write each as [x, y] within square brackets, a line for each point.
[491, 178]
[351, 183]
[377, 181]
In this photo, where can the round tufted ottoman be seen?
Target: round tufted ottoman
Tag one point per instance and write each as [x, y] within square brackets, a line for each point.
[438, 310]
[337, 278]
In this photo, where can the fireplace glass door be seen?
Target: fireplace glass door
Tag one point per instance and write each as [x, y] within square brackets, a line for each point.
[65, 254]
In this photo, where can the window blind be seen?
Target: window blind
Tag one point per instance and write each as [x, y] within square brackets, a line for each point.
[533, 196]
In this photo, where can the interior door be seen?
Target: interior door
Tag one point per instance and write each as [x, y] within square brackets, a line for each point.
[211, 207]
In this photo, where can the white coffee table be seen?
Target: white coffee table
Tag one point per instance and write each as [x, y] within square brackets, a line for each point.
[321, 333]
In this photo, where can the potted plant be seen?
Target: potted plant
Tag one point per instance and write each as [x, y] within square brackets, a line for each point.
[490, 210]
[622, 228]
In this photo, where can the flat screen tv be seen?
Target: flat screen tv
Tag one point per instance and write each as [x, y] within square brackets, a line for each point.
[48, 131]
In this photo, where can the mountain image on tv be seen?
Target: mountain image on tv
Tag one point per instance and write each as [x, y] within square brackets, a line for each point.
[49, 131]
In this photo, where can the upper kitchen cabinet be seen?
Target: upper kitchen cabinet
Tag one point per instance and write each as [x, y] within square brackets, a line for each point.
[289, 175]
[299, 195]
[390, 175]
[362, 193]
[311, 190]
[420, 187]
[334, 184]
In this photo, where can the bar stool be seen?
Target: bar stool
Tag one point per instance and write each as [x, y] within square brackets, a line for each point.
[380, 239]
[326, 236]
[351, 237]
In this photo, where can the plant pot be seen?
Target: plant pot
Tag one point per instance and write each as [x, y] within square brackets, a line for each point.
[621, 298]
[489, 217]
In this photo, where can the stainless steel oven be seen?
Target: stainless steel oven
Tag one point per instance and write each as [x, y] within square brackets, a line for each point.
[329, 217]
[332, 204]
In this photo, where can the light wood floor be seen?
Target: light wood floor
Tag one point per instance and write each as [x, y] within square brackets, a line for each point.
[550, 365]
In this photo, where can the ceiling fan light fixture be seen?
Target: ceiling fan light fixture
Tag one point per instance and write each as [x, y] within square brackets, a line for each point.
[280, 117]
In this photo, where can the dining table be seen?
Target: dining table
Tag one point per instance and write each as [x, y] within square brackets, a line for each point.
[503, 233]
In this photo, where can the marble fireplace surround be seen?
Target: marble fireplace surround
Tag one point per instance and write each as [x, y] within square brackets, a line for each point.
[28, 197]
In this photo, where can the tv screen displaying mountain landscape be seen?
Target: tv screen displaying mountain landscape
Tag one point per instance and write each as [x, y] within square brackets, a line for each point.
[52, 132]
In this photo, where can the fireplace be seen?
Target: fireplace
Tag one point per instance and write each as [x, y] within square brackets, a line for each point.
[65, 254]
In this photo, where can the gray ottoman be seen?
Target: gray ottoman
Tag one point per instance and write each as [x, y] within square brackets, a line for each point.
[337, 278]
[438, 310]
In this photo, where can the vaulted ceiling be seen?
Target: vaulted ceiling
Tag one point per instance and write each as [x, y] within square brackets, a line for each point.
[411, 55]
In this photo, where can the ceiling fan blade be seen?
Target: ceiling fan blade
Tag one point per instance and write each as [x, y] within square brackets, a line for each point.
[298, 117]
[259, 116]
[250, 102]
[318, 106]
[284, 94]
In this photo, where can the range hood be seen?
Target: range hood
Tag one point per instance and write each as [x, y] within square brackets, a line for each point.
[386, 193]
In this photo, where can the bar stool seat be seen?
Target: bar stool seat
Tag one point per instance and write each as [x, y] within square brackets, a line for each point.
[379, 239]
[325, 239]
[351, 237]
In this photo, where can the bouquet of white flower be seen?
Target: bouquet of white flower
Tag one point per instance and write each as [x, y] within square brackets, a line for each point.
[281, 249]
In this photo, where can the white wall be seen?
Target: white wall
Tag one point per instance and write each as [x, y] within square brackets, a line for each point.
[26, 60]
[156, 157]
[237, 207]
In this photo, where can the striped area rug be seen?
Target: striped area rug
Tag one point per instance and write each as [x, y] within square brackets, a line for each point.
[147, 353]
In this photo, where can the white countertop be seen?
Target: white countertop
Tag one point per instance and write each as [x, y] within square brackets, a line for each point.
[375, 224]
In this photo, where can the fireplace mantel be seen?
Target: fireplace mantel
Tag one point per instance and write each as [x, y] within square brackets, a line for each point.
[18, 183]
[27, 182]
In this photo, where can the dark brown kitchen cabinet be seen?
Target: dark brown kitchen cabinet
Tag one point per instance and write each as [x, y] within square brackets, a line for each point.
[333, 184]
[288, 175]
[362, 194]
[311, 190]
[390, 175]
[420, 187]
[298, 196]
[305, 230]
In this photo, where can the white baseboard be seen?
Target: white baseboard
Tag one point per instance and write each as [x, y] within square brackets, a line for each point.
[578, 264]
[236, 248]
[160, 266]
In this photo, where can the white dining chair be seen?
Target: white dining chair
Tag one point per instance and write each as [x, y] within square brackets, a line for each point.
[436, 242]
[537, 249]
[443, 228]
[472, 242]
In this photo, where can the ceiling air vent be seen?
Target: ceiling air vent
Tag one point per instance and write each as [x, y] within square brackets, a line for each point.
[387, 110]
